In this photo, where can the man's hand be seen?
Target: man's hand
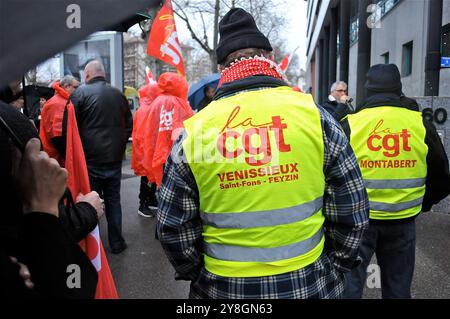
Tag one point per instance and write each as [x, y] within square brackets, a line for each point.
[344, 98]
[41, 180]
[93, 199]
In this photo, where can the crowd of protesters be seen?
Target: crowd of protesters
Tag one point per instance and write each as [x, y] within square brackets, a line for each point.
[239, 221]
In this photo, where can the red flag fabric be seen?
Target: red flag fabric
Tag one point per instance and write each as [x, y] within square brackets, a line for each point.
[149, 79]
[286, 61]
[163, 42]
[51, 121]
[164, 123]
[147, 94]
[77, 180]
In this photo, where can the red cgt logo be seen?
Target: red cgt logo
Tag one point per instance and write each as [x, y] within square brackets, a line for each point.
[263, 130]
[390, 143]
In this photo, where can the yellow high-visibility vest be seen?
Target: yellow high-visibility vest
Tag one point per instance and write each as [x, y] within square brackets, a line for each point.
[257, 158]
[389, 143]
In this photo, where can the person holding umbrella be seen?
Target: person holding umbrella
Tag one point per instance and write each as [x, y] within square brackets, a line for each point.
[209, 94]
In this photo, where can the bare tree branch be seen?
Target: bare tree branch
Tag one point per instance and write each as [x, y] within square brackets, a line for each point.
[194, 36]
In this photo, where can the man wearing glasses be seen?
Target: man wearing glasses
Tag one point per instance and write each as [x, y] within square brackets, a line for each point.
[51, 124]
[338, 102]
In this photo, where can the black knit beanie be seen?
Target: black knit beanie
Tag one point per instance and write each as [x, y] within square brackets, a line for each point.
[238, 30]
[383, 78]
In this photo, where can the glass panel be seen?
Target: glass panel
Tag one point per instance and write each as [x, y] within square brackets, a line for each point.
[407, 59]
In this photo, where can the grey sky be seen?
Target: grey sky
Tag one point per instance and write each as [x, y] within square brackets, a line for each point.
[295, 32]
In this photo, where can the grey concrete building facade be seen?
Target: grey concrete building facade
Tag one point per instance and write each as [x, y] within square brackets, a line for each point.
[399, 31]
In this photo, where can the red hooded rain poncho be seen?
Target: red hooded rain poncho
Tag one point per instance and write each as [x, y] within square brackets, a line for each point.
[167, 113]
[147, 95]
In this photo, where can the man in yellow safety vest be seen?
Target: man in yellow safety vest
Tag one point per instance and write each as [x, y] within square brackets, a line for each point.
[405, 170]
[262, 196]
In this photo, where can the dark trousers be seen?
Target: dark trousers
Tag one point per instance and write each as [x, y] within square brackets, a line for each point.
[394, 246]
[106, 182]
[147, 193]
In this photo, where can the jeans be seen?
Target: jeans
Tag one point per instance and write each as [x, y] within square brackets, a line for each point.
[147, 193]
[394, 246]
[106, 182]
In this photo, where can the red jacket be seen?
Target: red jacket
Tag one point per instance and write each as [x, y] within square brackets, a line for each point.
[52, 121]
[146, 96]
[163, 124]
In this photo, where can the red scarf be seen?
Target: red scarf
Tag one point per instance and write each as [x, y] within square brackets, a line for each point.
[251, 66]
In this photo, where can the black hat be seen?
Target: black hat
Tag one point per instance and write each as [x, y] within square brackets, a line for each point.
[383, 78]
[238, 30]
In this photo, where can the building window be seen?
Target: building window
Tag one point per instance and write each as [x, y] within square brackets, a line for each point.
[386, 6]
[354, 30]
[385, 57]
[338, 44]
[446, 40]
[445, 46]
[407, 56]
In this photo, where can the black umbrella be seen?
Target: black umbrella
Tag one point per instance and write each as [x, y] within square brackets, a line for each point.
[128, 23]
[31, 95]
[32, 31]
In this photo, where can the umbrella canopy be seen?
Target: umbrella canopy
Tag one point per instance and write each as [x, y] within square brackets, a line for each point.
[32, 31]
[196, 93]
[128, 23]
[32, 94]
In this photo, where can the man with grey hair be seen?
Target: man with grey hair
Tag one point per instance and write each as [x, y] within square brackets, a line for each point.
[338, 102]
[51, 123]
[69, 83]
[105, 123]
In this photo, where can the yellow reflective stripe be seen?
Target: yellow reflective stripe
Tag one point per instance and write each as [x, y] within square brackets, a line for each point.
[257, 254]
[395, 215]
[386, 196]
[263, 218]
[257, 269]
[265, 237]
[395, 196]
[394, 183]
[396, 207]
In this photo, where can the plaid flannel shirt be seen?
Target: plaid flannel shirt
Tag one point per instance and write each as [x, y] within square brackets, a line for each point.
[345, 207]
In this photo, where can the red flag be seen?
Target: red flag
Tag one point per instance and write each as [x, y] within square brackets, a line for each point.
[78, 182]
[163, 42]
[285, 62]
[149, 79]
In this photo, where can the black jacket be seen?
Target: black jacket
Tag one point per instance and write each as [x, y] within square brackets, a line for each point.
[104, 122]
[336, 109]
[437, 185]
[47, 250]
[79, 221]
[203, 103]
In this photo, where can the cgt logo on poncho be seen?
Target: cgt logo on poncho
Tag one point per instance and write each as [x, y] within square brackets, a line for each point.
[231, 143]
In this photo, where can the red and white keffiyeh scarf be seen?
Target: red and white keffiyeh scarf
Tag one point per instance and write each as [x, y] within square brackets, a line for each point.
[246, 67]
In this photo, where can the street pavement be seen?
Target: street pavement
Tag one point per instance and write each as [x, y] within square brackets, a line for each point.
[143, 271]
